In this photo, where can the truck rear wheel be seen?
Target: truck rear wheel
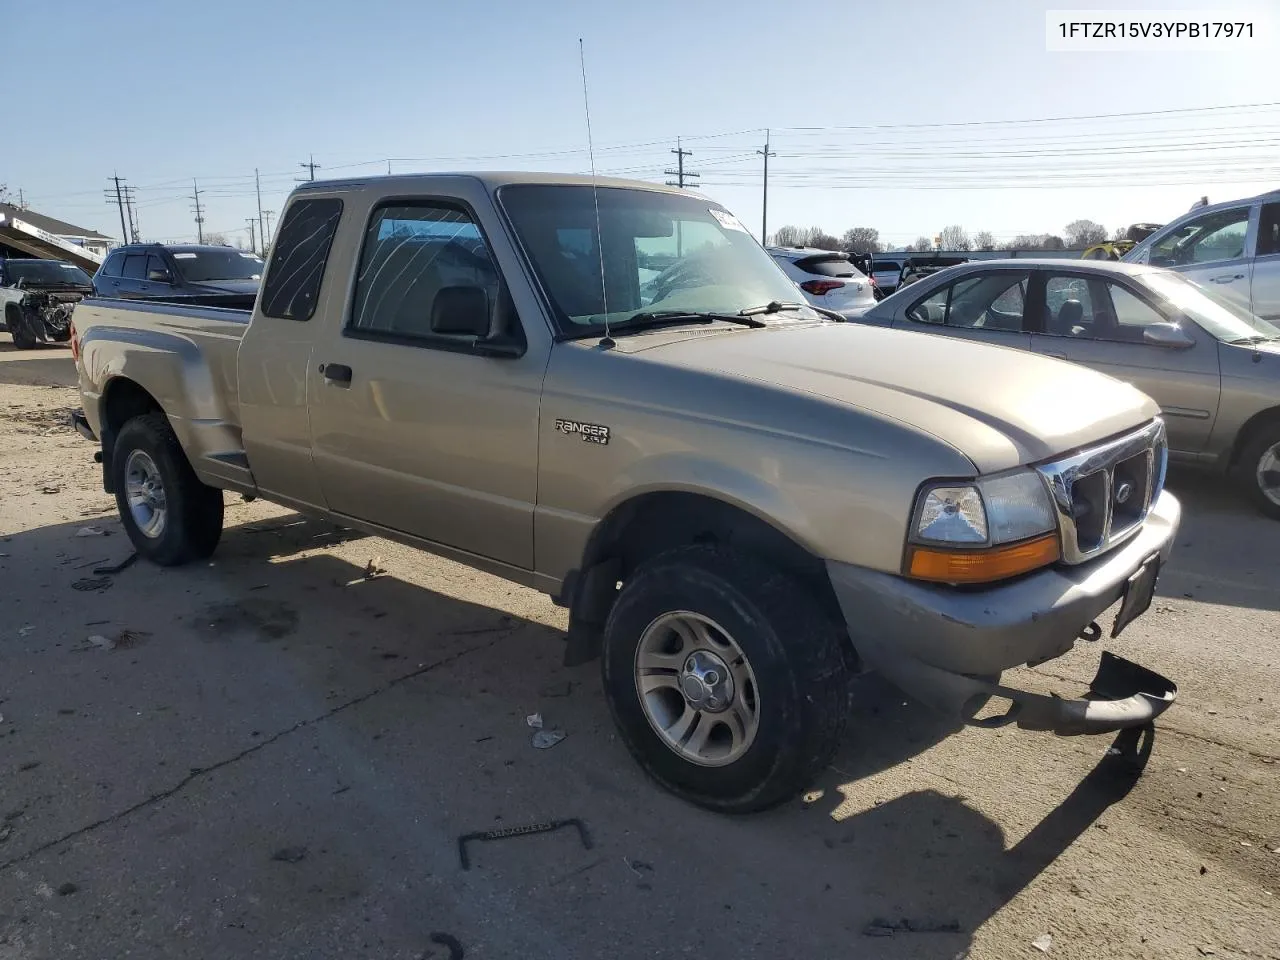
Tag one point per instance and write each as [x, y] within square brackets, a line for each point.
[171, 517]
[727, 682]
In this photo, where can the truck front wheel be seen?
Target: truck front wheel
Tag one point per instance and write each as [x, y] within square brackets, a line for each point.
[727, 682]
[171, 517]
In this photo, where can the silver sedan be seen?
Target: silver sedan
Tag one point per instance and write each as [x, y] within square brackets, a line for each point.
[1213, 367]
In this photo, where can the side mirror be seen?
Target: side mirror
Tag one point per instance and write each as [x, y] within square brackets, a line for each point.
[461, 311]
[1167, 335]
[159, 276]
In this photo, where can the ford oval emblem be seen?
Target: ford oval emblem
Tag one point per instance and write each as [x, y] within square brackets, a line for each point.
[1123, 492]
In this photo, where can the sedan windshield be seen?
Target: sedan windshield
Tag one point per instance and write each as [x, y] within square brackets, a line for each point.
[1218, 316]
[43, 273]
[199, 266]
[663, 253]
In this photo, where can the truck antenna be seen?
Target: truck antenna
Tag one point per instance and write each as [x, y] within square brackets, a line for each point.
[607, 342]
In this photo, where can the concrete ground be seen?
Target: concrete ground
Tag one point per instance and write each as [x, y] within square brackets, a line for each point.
[274, 756]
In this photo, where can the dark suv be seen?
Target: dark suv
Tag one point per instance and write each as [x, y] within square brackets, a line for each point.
[218, 276]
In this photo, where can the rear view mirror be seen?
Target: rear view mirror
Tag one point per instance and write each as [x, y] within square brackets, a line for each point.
[1167, 335]
[461, 311]
[159, 276]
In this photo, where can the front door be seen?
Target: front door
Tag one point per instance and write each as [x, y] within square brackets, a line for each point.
[1265, 288]
[410, 429]
[1099, 323]
[986, 306]
[1213, 251]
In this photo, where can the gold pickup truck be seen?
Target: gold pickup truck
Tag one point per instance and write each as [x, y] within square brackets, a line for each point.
[741, 500]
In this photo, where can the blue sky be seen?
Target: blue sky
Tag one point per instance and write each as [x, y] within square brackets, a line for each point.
[901, 116]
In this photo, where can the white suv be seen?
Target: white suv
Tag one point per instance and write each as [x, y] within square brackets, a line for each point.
[828, 278]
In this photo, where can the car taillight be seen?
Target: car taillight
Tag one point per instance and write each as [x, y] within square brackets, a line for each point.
[820, 287]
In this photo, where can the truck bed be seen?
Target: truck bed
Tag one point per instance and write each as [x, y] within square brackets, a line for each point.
[186, 355]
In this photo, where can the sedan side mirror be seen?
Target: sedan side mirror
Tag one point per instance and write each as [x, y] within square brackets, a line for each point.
[159, 276]
[1167, 335]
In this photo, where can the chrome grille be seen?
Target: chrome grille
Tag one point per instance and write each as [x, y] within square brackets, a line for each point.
[1103, 493]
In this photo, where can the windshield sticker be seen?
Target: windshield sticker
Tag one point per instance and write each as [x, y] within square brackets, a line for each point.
[184, 256]
[249, 256]
[726, 219]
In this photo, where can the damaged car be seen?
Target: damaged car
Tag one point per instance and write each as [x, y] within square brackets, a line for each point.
[37, 297]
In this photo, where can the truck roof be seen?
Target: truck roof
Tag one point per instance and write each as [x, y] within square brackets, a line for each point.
[493, 179]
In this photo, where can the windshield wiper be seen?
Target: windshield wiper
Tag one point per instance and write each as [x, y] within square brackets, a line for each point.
[773, 306]
[654, 319]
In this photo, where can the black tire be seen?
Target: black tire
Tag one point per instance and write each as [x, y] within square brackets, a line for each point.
[22, 340]
[193, 523]
[797, 654]
[1260, 443]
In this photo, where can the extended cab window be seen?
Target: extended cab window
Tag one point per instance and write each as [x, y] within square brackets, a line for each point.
[292, 287]
[411, 254]
[988, 301]
[1209, 239]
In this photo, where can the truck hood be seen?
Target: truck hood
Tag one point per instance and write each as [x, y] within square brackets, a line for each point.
[1000, 407]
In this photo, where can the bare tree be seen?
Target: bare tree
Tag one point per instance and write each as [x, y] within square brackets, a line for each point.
[1121, 233]
[954, 237]
[921, 245]
[861, 240]
[1084, 233]
[1052, 242]
[787, 236]
[983, 240]
[819, 239]
[216, 240]
[4, 192]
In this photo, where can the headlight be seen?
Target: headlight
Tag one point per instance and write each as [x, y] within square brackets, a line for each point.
[993, 528]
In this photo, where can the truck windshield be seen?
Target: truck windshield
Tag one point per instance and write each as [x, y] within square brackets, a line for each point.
[1218, 316]
[198, 266]
[43, 273]
[662, 252]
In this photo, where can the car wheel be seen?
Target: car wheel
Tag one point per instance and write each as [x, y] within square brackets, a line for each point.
[728, 683]
[170, 516]
[22, 339]
[1259, 469]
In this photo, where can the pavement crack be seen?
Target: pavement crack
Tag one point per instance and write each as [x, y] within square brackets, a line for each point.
[197, 774]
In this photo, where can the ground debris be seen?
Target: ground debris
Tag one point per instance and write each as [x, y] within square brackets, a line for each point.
[101, 642]
[880, 927]
[92, 532]
[92, 584]
[546, 739]
[66, 889]
[117, 567]
[451, 942]
[1043, 943]
[534, 720]
[290, 854]
[374, 568]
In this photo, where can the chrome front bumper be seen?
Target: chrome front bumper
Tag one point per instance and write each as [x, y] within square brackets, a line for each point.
[946, 646]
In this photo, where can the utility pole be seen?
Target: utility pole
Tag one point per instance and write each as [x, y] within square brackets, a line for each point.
[195, 195]
[253, 244]
[266, 237]
[257, 185]
[119, 201]
[22, 202]
[310, 167]
[764, 207]
[679, 172]
[129, 199]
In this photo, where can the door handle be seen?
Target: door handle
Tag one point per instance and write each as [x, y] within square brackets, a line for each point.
[1227, 279]
[336, 373]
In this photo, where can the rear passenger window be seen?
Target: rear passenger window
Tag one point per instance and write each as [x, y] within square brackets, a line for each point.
[1269, 230]
[292, 286]
[135, 266]
[413, 252]
[112, 267]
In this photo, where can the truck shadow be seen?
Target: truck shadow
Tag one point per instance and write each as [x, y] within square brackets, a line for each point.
[47, 364]
[916, 874]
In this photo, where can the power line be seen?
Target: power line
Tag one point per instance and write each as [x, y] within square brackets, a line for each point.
[257, 185]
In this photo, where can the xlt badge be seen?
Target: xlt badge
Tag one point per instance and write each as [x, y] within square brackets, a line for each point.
[589, 432]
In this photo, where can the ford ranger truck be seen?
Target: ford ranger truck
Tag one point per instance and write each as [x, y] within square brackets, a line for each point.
[608, 391]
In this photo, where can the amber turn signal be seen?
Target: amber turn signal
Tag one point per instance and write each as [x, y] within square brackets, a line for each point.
[982, 566]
